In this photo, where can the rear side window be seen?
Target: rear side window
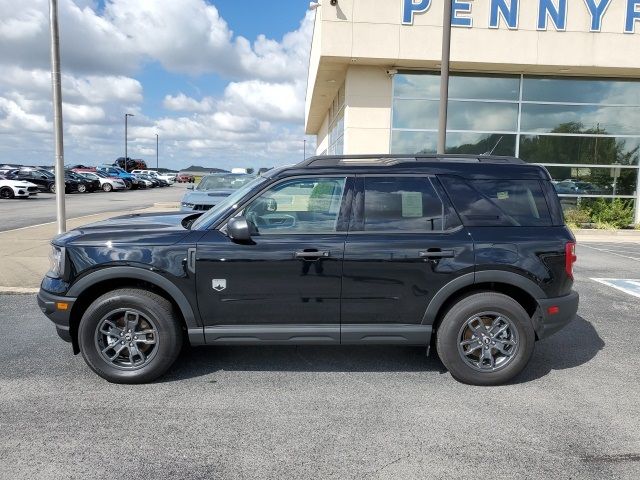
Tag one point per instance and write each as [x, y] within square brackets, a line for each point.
[403, 204]
[499, 202]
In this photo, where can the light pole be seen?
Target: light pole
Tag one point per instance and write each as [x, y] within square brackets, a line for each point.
[57, 115]
[304, 154]
[157, 162]
[444, 78]
[126, 139]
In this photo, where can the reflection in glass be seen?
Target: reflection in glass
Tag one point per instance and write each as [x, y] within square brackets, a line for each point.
[593, 119]
[481, 143]
[464, 86]
[580, 90]
[483, 116]
[478, 116]
[414, 142]
[418, 114]
[584, 150]
[594, 181]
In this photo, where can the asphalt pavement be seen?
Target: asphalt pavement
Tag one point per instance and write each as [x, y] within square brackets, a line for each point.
[332, 412]
[20, 213]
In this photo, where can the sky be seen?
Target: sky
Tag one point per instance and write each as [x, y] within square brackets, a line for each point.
[222, 82]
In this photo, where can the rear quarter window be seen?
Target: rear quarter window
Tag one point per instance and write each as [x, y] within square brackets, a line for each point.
[499, 202]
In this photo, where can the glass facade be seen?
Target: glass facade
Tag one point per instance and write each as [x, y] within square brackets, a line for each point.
[336, 124]
[585, 131]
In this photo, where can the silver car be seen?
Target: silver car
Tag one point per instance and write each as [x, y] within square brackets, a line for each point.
[211, 190]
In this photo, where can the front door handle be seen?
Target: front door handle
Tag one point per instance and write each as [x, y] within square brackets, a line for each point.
[312, 255]
[436, 253]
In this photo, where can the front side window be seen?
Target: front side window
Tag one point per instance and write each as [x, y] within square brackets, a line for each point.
[307, 205]
[402, 204]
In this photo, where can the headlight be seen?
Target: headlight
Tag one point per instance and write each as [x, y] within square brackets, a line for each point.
[56, 260]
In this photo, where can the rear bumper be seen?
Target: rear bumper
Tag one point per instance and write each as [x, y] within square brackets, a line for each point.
[566, 309]
[52, 306]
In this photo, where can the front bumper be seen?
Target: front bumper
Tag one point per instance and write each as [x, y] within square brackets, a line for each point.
[58, 310]
[547, 322]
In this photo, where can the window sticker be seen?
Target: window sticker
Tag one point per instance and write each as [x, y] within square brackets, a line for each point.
[411, 204]
[503, 195]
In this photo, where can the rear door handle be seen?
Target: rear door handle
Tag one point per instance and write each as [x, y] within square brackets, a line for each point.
[437, 253]
[312, 255]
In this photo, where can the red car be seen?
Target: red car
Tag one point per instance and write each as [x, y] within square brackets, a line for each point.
[185, 178]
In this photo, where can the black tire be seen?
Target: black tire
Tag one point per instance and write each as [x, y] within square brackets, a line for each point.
[128, 185]
[107, 187]
[52, 188]
[454, 326]
[150, 306]
[82, 188]
[6, 193]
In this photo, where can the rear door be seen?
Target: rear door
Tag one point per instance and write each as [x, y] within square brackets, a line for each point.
[404, 244]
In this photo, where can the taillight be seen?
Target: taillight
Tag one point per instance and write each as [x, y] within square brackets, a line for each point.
[570, 258]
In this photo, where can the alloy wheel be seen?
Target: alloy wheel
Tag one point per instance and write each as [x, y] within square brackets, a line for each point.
[127, 339]
[488, 341]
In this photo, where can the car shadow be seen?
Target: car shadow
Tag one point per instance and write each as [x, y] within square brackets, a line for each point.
[575, 345]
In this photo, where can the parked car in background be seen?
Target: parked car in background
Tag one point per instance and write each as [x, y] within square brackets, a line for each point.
[46, 181]
[129, 180]
[167, 177]
[211, 190]
[185, 178]
[145, 182]
[107, 183]
[16, 188]
[85, 185]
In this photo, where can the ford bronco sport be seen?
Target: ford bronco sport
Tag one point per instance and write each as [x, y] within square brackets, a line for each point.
[467, 254]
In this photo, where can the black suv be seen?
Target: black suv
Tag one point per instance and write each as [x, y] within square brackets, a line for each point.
[467, 254]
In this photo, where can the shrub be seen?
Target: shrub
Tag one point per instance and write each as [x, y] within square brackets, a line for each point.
[577, 216]
[616, 213]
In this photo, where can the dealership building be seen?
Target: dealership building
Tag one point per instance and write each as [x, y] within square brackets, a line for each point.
[554, 82]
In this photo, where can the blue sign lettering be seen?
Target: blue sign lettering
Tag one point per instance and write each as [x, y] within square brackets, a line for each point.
[633, 15]
[411, 7]
[509, 13]
[597, 12]
[461, 7]
[557, 15]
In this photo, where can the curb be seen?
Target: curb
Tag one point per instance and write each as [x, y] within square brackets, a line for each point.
[167, 205]
[18, 291]
[616, 233]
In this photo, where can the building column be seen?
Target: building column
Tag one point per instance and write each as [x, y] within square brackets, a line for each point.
[367, 118]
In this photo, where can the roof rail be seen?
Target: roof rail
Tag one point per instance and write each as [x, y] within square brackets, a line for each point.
[391, 160]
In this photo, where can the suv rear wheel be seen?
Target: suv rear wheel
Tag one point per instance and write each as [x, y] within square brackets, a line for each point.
[130, 336]
[485, 339]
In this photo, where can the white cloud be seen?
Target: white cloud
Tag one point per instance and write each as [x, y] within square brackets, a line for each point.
[183, 103]
[258, 118]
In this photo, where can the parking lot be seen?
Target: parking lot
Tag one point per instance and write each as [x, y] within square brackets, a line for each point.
[334, 412]
[18, 213]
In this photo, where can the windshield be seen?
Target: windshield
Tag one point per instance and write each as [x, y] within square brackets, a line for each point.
[228, 203]
[224, 182]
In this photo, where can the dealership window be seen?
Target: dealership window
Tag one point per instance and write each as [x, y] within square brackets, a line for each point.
[585, 131]
[336, 124]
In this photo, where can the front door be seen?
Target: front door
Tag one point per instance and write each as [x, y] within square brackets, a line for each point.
[285, 285]
[404, 245]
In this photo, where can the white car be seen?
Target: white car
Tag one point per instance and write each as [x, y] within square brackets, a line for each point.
[169, 177]
[107, 183]
[17, 188]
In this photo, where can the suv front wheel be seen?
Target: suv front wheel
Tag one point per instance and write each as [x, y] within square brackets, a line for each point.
[130, 336]
[485, 339]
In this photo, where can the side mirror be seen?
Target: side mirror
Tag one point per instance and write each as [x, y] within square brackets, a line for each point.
[238, 230]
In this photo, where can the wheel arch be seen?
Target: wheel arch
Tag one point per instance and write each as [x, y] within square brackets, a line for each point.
[521, 289]
[92, 286]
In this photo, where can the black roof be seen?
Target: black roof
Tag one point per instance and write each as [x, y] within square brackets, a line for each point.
[467, 166]
[382, 160]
